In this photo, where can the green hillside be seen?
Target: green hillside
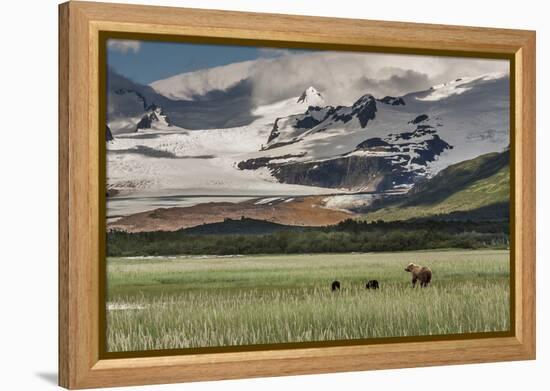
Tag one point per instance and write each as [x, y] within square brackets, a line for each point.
[473, 189]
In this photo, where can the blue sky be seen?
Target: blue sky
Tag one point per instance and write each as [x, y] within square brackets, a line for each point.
[341, 77]
[148, 61]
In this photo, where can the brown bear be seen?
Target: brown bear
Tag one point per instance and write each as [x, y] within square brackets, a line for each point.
[422, 273]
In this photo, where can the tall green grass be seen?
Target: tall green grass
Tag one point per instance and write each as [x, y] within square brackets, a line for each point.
[201, 302]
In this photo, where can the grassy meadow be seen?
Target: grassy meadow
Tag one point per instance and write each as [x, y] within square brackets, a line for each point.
[185, 302]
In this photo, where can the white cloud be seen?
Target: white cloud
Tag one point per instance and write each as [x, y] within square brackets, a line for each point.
[342, 77]
[123, 46]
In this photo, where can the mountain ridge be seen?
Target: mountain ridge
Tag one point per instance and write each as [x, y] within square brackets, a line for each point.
[218, 142]
[389, 143]
[472, 189]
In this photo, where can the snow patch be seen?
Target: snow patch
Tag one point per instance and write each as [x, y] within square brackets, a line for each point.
[264, 201]
[457, 86]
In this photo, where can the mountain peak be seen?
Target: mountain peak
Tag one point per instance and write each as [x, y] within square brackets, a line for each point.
[312, 97]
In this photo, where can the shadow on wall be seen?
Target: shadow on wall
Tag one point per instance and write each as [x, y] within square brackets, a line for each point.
[48, 377]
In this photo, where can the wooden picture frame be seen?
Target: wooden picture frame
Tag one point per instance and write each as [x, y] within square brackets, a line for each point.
[81, 364]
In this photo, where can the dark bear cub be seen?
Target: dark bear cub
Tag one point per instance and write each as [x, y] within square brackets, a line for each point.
[335, 286]
[372, 284]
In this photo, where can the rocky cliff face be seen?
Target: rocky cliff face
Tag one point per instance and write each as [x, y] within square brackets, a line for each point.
[391, 100]
[375, 165]
[108, 134]
[366, 173]
[153, 116]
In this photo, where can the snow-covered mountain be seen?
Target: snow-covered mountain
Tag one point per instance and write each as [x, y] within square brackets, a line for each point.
[128, 102]
[299, 145]
[311, 97]
[162, 158]
[379, 145]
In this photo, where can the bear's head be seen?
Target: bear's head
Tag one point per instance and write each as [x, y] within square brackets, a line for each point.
[410, 267]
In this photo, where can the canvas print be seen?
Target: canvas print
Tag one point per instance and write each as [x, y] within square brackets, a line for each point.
[262, 196]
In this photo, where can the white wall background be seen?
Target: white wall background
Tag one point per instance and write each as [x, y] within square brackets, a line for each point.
[28, 207]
